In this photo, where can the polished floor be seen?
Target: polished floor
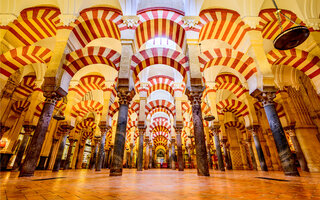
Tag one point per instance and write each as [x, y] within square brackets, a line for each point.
[159, 184]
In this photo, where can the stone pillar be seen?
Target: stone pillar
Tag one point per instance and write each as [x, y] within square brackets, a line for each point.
[125, 97]
[200, 143]
[104, 129]
[140, 149]
[170, 156]
[254, 130]
[253, 160]
[80, 156]
[67, 162]
[281, 142]
[28, 129]
[146, 155]
[32, 156]
[167, 156]
[215, 130]
[179, 146]
[54, 143]
[61, 147]
[131, 163]
[173, 154]
[226, 154]
[297, 148]
[94, 152]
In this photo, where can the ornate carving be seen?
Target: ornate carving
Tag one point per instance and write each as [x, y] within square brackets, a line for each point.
[67, 19]
[51, 97]
[266, 98]
[125, 96]
[191, 21]
[178, 130]
[215, 129]
[28, 129]
[131, 21]
[104, 128]
[290, 130]
[142, 130]
[195, 95]
[254, 129]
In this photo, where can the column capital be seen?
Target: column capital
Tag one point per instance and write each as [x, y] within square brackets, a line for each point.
[66, 128]
[123, 91]
[142, 130]
[291, 130]
[195, 94]
[52, 97]
[3, 128]
[104, 128]
[215, 129]
[253, 129]
[265, 97]
[178, 129]
[28, 129]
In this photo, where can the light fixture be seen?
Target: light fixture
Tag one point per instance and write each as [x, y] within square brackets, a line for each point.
[291, 37]
[208, 117]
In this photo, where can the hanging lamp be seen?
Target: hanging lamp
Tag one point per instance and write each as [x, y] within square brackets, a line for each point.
[291, 37]
[208, 117]
[58, 116]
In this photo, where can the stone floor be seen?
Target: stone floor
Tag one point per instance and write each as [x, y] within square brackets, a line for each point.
[159, 184]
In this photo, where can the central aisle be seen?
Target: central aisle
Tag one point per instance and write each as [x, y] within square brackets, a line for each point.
[158, 184]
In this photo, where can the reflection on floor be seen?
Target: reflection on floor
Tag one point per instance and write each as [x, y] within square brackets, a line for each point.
[159, 184]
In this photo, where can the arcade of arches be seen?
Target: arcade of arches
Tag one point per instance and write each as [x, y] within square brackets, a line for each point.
[128, 84]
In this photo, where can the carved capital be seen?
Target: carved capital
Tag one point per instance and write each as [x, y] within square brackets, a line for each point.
[290, 130]
[28, 129]
[215, 129]
[265, 97]
[178, 129]
[104, 128]
[52, 97]
[251, 21]
[191, 21]
[142, 130]
[65, 128]
[254, 129]
[131, 21]
[125, 96]
[195, 94]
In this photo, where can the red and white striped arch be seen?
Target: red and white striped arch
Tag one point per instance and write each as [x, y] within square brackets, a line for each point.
[160, 23]
[33, 25]
[160, 83]
[89, 122]
[26, 87]
[164, 123]
[222, 24]
[160, 141]
[236, 124]
[160, 130]
[14, 59]
[84, 107]
[80, 58]
[232, 105]
[38, 110]
[113, 109]
[269, 24]
[230, 82]
[165, 56]
[89, 83]
[236, 60]
[301, 60]
[94, 23]
[205, 108]
[134, 108]
[159, 109]
[161, 104]
[20, 106]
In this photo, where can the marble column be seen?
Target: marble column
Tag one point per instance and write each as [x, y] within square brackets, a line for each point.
[215, 130]
[28, 129]
[32, 155]
[80, 156]
[179, 147]
[131, 163]
[69, 154]
[200, 144]
[62, 145]
[254, 131]
[297, 148]
[146, 155]
[104, 129]
[170, 157]
[95, 152]
[226, 154]
[140, 149]
[125, 97]
[253, 160]
[173, 154]
[286, 158]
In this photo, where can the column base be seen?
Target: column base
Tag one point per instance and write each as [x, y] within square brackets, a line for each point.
[116, 172]
[291, 173]
[26, 174]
